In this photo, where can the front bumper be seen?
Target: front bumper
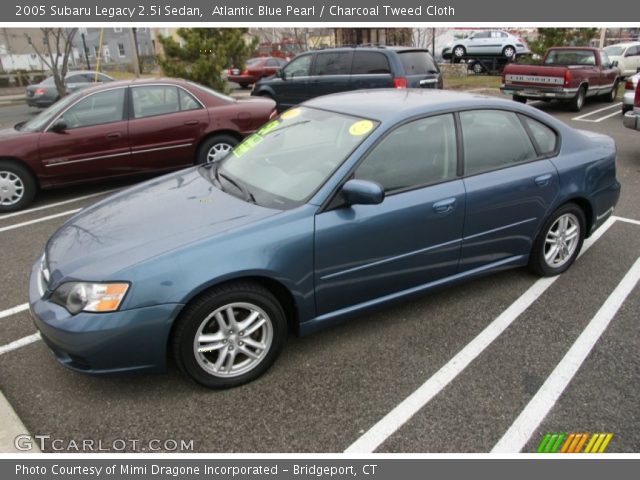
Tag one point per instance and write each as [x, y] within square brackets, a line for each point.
[631, 120]
[125, 341]
[539, 93]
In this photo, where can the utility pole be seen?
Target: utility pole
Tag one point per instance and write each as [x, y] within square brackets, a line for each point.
[133, 39]
[603, 36]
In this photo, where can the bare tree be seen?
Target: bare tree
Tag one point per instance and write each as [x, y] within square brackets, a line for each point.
[56, 48]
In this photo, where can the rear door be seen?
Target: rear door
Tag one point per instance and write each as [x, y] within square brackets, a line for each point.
[331, 73]
[510, 185]
[370, 70]
[420, 69]
[165, 126]
[95, 143]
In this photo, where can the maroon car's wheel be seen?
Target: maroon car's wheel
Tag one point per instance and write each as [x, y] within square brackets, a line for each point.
[230, 335]
[215, 148]
[17, 186]
[559, 241]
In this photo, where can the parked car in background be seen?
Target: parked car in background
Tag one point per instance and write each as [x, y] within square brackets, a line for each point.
[255, 69]
[344, 204]
[120, 129]
[45, 93]
[627, 55]
[486, 42]
[630, 86]
[337, 70]
[632, 119]
[570, 74]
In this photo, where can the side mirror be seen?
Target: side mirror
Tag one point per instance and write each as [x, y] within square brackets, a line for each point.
[281, 74]
[59, 126]
[614, 64]
[362, 192]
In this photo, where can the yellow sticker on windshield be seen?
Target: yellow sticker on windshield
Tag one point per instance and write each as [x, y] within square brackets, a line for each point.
[293, 113]
[268, 127]
[248, 143]
[361, 127]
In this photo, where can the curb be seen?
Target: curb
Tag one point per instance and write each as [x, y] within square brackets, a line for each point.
[12, 426]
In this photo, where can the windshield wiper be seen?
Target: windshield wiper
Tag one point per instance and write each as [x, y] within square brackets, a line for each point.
[245, 192]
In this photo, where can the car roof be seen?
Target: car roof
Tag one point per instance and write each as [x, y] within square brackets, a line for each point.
[623, 44]
[374, 48]
[393, 104]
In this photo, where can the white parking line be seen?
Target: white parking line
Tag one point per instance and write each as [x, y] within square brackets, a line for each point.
[627, 220]
[583, 118]
[537, 409]
[57, 204]
[397, 417]
[14, 310]
[24, 341]
[38, 220]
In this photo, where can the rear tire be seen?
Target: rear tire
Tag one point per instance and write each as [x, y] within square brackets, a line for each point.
[613, 94]
[509, 52]
[18, 187]
[577, 102]
[559, 241]
[219, 349]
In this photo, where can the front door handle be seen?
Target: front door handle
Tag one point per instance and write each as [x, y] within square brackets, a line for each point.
[191, 122]
[445, 206]
[114, 135]
[543, 180]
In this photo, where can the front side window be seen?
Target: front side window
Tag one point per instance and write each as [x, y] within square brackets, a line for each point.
[604, 59]
[333, 63]
[493, 139]
[419, 153]
[290, 157]
[155, 100]
[96, 109]
[298, 67]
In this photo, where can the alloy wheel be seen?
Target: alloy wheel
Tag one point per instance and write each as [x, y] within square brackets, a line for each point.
[561, 240]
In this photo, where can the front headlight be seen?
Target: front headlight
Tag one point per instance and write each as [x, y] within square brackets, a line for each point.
[90, 297]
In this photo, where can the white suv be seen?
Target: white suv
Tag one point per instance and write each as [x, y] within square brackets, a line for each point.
[627, 55]
[487, 42]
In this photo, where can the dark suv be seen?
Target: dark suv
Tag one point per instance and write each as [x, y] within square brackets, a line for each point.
[335, 70]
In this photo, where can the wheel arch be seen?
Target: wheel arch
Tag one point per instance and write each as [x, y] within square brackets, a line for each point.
[215, 133]
[24, 164]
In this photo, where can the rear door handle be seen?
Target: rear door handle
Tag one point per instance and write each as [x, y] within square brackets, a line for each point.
[543, 180]
[114, 135]
[191, 122]
[445, 206]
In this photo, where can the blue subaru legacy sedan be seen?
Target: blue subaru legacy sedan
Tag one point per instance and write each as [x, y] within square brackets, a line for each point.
[335, 207]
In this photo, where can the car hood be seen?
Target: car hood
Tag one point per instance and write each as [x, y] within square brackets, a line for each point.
[142, 222]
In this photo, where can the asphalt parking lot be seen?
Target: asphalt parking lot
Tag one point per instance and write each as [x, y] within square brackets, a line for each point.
[493, 364]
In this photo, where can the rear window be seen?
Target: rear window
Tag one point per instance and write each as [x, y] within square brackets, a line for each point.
[417, 62]
[570, 57]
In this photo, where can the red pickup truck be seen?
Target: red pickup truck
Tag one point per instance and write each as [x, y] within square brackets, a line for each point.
[569, 74]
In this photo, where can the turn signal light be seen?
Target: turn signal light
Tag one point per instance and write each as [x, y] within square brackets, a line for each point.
[567, 78]
[628, 85]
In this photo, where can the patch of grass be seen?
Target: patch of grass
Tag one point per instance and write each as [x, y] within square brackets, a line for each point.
[472, 82]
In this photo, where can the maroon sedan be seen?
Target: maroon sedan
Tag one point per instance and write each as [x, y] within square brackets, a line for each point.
[255, 69]
[120, 129]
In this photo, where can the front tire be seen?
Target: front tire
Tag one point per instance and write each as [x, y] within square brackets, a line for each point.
[229, 336]
[613, 94]
[559, 241]
[215, 148]
[17, 186]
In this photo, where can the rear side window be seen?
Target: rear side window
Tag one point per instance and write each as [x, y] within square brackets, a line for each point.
[493, 139]
[333, 63]
[417, 63]
[370, 63]
[543, 135]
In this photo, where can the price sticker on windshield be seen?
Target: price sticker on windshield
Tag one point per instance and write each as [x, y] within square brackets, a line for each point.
[249, 143]
[268, 127]
[361, 127]
[289, 114]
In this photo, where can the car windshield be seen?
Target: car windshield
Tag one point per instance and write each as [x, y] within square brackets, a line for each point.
[253, 61]
[289, 158]
[41, 120]
[614, 51]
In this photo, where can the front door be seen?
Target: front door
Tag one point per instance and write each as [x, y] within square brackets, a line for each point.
[365, 252]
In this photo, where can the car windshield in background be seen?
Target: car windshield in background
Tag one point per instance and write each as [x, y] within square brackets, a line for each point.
[614, 51]
[289, 158]
[570, 57]
[417, 62]
[253, 61]
[41, 120]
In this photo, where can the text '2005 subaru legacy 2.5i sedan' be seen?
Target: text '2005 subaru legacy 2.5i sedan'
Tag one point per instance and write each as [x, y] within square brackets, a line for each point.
[335, 207]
